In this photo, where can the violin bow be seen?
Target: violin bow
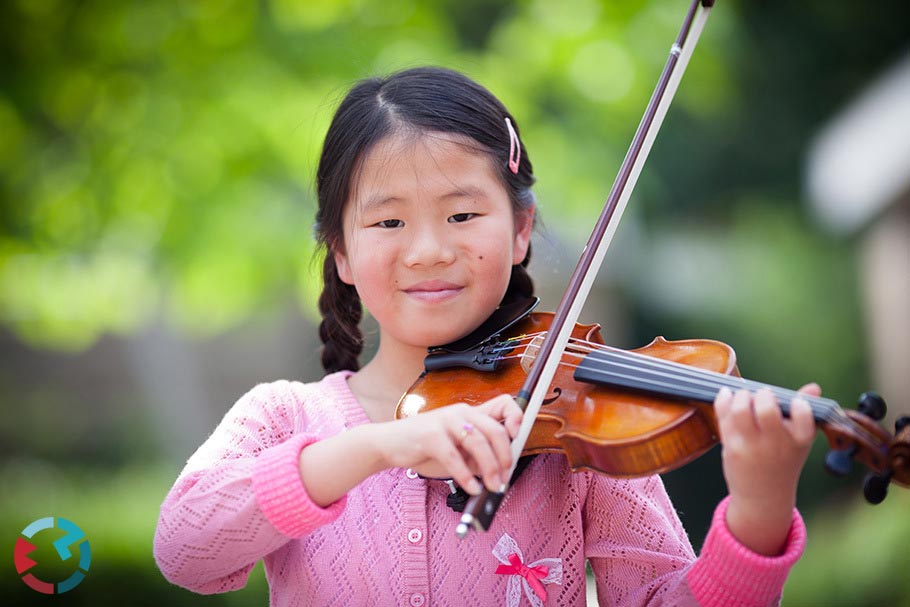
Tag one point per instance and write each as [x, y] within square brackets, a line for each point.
[480, 509]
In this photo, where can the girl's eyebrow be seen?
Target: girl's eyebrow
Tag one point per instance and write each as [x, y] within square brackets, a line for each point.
[377, 201]
[469, 191]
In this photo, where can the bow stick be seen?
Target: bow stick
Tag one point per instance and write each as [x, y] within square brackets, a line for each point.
[481, 508]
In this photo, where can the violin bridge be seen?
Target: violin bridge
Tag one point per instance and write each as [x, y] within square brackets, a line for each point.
[531, 351]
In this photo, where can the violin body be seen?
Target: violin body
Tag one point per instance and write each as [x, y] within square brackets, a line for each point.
[611, 430]
[631, 413]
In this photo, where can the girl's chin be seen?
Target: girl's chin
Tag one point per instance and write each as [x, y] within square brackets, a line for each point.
[436, 339]
[439, 335]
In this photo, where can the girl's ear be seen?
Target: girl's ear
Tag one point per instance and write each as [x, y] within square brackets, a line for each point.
[343, 267]
[524, 223]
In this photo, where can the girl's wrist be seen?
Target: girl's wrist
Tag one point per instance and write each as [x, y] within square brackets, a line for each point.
[329, 468]
[370, 436]
[760, 525]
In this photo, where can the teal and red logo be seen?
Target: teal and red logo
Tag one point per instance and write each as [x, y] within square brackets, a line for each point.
[72, 536]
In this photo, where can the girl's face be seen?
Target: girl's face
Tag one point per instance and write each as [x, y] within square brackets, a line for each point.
[430, 238]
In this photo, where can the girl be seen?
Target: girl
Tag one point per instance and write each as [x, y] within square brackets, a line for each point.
[425, 212]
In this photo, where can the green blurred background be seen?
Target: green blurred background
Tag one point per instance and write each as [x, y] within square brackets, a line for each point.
[156, 203]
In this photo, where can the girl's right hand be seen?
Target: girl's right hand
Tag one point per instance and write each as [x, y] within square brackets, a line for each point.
[458, 441]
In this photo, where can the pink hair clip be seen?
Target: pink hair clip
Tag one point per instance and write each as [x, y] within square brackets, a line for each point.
[514, 147]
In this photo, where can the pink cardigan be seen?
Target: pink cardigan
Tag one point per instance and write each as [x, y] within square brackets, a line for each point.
[391, 540]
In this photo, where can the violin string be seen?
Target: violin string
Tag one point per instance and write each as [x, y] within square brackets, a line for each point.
[823, 409]
[697, 390]
[707, 396]
[696, 375]
[671, 370]
[703, 389]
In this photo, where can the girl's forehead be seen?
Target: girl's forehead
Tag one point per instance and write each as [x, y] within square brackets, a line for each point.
[408, 159]
[407, 140]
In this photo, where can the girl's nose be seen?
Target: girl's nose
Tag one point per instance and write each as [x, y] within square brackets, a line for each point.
[428, 246]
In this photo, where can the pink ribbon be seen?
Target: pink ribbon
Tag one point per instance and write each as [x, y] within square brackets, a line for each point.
[532, 574]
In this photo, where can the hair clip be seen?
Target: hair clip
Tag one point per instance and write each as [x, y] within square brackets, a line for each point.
[514, 147]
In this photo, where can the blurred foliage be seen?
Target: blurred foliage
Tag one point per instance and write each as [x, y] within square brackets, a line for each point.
[854, 556]
[159, 155]
[156, 161]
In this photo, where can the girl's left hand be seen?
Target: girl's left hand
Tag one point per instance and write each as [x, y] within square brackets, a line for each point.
[763, 454]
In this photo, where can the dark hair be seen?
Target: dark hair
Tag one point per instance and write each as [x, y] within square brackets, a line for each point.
[426, 99]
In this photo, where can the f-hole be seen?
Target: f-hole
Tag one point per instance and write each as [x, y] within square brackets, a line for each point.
[557, 392]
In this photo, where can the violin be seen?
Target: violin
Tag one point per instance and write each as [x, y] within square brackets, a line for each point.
[630, 413]
[625, 413]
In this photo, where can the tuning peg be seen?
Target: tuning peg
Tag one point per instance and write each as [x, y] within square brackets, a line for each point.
[875, 487]
[872, 405]
[839, 462]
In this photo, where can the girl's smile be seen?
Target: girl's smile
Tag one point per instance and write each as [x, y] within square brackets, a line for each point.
[433, 290]
[430, 238]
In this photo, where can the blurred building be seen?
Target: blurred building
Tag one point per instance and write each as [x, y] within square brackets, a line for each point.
[858, 184]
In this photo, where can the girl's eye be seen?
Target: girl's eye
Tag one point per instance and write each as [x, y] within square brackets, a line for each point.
[460, 217]
[390, 223]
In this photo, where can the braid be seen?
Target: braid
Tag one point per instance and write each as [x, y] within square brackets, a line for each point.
[341, 311]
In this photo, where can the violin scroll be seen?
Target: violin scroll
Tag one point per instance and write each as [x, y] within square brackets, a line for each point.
[875, 487]
[839, 462]
[861, 438]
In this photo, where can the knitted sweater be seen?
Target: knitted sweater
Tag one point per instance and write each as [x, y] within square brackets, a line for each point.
[391, 540]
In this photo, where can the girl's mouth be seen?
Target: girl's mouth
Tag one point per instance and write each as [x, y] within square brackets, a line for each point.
[433, 291]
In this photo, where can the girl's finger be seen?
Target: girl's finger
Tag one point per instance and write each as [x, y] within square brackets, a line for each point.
[498, 438]
[811, 389]
[723, 403]
[473, 439]
[742, 415]
[802, 421]
[768, 416]
[451, 459]
[505, 409]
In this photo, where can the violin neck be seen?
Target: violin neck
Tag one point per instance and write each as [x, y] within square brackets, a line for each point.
[640, 373]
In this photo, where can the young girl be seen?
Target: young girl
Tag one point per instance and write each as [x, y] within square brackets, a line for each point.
[426, 211]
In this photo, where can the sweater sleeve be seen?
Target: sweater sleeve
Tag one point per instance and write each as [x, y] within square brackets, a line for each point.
[641, 555]
[239, 497]
[729, 574]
